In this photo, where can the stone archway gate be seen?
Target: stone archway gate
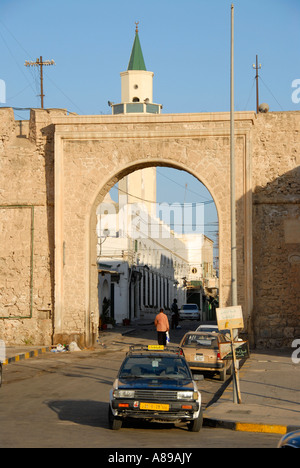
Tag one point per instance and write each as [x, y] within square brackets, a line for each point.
[92, 153]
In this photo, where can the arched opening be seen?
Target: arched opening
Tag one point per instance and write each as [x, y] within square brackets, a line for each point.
[100, 151]
[157, 232]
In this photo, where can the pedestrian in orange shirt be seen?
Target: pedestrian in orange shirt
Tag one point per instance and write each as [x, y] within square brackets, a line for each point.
[162, 326]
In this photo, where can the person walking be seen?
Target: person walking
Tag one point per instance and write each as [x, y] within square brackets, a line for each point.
[162, 326]
[175, 314]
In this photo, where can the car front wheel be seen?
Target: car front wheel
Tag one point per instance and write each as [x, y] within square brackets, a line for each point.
[114, 423]
[196, 424]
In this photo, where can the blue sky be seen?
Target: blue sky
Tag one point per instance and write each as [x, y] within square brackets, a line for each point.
[185, 43]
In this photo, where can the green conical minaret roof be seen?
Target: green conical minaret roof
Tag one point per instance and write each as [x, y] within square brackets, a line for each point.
[136, 61]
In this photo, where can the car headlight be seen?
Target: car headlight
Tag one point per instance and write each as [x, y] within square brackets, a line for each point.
[187, 395]
[123, 393]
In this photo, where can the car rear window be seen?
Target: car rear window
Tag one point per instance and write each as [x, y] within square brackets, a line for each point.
[154, 367]
[203, 341]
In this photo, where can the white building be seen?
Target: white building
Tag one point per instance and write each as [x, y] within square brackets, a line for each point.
[142, 264]
[138, 273]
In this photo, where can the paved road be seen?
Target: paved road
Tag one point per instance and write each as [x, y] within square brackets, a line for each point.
[61, 400]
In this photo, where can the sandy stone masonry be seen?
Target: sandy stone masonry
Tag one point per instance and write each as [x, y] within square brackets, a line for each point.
[56, 169]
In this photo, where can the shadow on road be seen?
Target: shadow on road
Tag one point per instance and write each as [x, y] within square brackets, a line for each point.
[83, 412]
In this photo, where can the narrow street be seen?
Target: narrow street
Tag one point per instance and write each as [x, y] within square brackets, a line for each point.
[61, 400]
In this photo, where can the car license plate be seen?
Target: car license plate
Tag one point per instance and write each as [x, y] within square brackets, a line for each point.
[154, 407]
[199, 357]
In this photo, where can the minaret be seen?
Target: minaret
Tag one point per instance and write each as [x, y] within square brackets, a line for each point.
[136, 85]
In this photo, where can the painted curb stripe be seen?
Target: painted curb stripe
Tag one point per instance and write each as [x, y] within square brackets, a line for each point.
[261, 428]
[247, 427]
[28, 355]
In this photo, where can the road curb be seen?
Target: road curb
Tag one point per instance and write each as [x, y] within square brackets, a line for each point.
[26, 355]
[249, 427]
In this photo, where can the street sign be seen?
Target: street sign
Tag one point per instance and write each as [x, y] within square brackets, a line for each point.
[241, 350]
[230, 318]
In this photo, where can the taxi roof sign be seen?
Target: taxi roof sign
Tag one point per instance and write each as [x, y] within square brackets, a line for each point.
[149, 348]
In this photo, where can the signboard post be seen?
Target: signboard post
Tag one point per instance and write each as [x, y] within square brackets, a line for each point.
[2, 351]
[231, 318]
[2, 359]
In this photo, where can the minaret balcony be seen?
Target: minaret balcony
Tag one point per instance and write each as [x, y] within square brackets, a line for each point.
[136, 108]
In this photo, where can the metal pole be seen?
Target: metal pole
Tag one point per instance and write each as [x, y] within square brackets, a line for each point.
[236, 380]
[257, 67]
[42, 83]
[232, 173]
[234, 300]
[257, 97]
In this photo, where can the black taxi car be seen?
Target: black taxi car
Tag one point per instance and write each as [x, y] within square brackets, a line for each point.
[155, 383]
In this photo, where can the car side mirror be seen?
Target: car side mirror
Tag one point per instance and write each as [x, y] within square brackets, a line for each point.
[198, 377]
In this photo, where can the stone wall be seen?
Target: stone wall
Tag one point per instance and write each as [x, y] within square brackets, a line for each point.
[267, 154]
[26, 228]
[276, 228]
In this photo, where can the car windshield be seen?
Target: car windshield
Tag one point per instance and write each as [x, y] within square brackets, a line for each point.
[194, 340]
[189, 307]
[154, 367]
[208, 329]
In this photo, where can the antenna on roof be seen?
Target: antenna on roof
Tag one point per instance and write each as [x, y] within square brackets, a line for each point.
[257, 67]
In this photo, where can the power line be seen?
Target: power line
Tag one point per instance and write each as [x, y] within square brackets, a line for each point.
[62, 92]
[34, 76]
[20, 69]
[209, 202]
[185, 187]
[271, 93]
[250, 94]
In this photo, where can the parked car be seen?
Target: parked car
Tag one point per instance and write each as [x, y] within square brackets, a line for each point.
[208, 327]
[212, 328]
[189, 312]
[155, 384]
[201, 350]
[291, 440]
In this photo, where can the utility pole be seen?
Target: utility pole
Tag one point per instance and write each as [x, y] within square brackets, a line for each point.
[234, 298]
[257, 67]
[232, 172]
[39, 63]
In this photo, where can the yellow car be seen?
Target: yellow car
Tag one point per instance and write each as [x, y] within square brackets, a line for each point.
[201, 351]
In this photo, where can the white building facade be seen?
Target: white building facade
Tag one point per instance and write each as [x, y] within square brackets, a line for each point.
[138, 273]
